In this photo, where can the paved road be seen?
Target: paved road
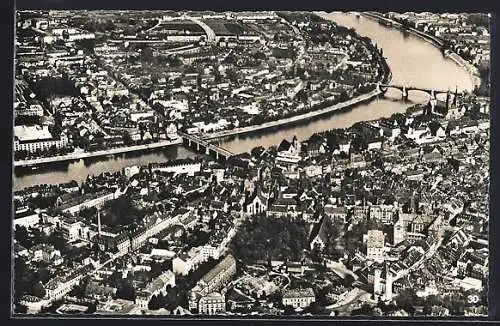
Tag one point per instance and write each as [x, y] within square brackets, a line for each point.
[155, 26]
[348, 300]
[210, 33]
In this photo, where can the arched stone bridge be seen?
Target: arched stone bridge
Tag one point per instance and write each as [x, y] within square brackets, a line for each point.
[405, 89]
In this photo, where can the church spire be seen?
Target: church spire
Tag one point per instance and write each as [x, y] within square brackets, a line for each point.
[98, 222]
[456, 96]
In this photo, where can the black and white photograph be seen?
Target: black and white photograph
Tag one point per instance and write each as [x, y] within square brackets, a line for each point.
[250, 164]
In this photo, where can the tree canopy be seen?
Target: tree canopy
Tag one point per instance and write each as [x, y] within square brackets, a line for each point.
[121, 211]
[266, 237]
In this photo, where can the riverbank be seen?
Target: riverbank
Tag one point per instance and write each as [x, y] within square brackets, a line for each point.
[426, 37]
[112, 151]
[471, 69]
[309, 115]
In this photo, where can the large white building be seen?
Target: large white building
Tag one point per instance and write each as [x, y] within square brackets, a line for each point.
[58, 287]
[213, 281]
[299, 298]
[87, 201]
[184, 263]
[33, 138]
[34, 109]
[213, 303]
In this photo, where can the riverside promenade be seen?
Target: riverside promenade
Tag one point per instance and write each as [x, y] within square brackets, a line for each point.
[111, 151]
[316, 113]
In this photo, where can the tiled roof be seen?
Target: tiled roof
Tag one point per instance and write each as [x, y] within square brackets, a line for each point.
[299, 293]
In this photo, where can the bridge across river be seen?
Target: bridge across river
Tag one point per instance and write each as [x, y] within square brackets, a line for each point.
[201, 145]
[405, 89]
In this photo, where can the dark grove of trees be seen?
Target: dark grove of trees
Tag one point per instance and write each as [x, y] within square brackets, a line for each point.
[479, 19]
[484, 74]
[289, 53]
[28, 279]
[271, 238]
[406, 300]
[27, 120]
[120, 212]
[125, 290]
[48, 86]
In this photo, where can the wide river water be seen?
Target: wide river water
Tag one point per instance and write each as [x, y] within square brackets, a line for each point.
[412, 60]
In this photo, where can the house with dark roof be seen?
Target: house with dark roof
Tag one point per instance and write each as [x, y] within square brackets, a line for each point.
[435, 129]
[390, 129]
[98, 291]
[315, 145]
[319, 234]
[434, 156]
[289, 152]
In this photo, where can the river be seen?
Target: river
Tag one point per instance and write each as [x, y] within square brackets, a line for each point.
[412, 60]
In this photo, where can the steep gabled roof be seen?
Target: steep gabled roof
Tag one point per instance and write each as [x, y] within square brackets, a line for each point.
[284, 146]
[434, 127]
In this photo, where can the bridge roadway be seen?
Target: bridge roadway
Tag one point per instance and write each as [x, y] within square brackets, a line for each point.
[413, 88]
[219, 151]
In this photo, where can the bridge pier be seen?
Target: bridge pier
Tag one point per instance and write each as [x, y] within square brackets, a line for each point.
[203, 146]
[405, 89]
[404, 93]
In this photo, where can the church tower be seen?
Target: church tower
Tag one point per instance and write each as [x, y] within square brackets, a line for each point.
[296, 145]
[98, 223]
[388, 283]
[455, 98]
[377, 286]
